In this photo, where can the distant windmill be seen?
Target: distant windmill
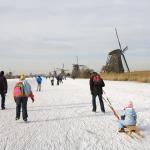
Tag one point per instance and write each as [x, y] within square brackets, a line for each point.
[62, 70]
[114, 59]
[76, 69]
[53, 73]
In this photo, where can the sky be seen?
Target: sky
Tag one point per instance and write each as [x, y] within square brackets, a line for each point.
[37, 36]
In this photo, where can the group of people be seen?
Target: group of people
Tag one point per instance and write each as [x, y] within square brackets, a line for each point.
[128, 115]
[22, 91]
[59, 79]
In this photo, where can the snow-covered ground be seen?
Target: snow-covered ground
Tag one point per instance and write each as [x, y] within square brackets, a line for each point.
[61, 118]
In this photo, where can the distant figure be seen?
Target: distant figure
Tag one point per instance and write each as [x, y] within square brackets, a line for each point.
[3, 89]
[39, 82]
[58, 79]
[52, 81]
[96, 84]
[128, 117]
[22, 91]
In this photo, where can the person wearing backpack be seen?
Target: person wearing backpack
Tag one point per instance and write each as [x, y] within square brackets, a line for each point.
[96, 84]
[3, 89]
[39, 82]
[22, 91]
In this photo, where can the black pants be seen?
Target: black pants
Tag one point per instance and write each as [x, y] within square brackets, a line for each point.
[100, 100]
[2, 100]
[21, 102]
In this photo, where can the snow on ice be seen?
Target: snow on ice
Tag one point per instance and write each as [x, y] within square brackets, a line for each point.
[62, 119]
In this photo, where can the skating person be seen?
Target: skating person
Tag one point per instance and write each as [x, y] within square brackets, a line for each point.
[96, 84]
[128, 117]
[22, 91]
[3, 89]
[52, 81]
[58, 79]
[39, 82]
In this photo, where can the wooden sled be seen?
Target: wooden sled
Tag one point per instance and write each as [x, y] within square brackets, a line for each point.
[135, 130]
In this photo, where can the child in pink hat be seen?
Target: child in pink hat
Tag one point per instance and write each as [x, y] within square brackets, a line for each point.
[128, 116]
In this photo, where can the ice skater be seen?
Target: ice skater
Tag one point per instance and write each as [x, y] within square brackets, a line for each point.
[22, 91]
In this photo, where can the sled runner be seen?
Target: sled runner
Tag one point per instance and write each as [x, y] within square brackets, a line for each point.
[135, 130]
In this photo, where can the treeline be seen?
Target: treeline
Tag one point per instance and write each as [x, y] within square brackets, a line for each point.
[140, 76]
[83, 73]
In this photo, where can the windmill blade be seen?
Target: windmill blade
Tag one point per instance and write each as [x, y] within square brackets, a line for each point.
[118, 39]
[125, 62]
[77, 59]
[63, 66]
[126, 48]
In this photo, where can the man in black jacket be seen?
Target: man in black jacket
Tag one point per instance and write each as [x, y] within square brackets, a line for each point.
[3, 89]
[96, 84]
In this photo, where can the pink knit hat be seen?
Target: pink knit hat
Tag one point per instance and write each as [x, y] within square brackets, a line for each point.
[129, 105]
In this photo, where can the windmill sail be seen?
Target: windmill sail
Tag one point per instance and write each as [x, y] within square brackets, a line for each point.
[125, 62]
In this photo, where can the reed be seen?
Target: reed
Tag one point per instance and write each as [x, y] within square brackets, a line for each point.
[140, 76]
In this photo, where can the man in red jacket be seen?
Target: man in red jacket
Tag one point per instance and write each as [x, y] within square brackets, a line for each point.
[96, 84]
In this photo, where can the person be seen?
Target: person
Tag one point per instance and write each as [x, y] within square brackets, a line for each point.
[39, 82]
[22, 91]
[52, 81]
[96, 84]
[58, 79]
[128, 117]
[3, 89]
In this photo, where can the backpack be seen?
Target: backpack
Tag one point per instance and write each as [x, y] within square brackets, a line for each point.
[19, 90]
[22, 89]
[27, 88]
[96, 80]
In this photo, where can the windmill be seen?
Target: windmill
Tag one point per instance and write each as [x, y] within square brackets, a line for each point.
[76, 69]
[115, 58]
[53, 73]
[62, 71]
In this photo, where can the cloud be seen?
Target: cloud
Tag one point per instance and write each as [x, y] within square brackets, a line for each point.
[47, 30]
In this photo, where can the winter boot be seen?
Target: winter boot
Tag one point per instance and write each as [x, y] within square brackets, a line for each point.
[121, 130]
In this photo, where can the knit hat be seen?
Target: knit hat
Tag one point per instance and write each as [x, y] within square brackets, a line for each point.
[22, 77]
[2, 72]
[129, 104]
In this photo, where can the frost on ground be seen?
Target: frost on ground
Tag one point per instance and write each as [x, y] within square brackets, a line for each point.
[61, 118]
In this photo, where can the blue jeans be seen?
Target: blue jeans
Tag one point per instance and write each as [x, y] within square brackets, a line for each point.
[100, 100]
[121, 124]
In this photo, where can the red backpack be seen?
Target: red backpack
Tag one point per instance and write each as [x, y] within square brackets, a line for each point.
[19, 90]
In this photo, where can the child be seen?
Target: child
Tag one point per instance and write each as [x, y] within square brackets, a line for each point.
[128, 117]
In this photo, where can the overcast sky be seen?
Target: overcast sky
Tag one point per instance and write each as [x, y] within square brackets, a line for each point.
[38, 35]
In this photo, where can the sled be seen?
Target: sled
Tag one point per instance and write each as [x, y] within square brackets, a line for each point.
[134, 130]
